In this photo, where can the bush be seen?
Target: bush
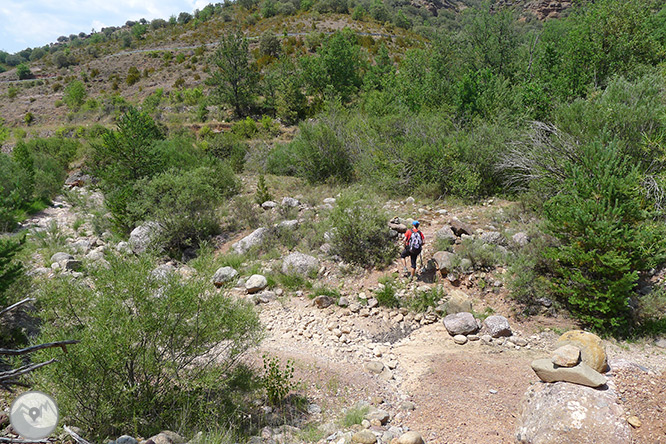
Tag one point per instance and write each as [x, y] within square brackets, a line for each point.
[361, 234]
[183, 203]
[606, 238]
[230, 148]
[75, 95]
[277, 381]
[386, 296]
[133, 75]
[23, 72]
[166, 360]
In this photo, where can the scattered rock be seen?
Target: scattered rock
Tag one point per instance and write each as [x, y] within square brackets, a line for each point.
[571, 413]
[379, 415]
[224, 275]
[458, 302]
[299, 263]
[446, 235]
[126, 439]
[254, 239]
[407, 406]
[290, 202]
[268, 205]
[634, 421]
[581, 374]
[143, 236]
[343, 302]
[466, 265]
[493, 237]
[72, 265]
[661, 343]
[497, 326]
[566, 356]
[375, 367]
[460, 324]
[459, 228]
[168, 437]
[59, 257]
[443, 261]
[256, 283]
[591, 348]
[521, 239]
[364, 437]
[323, 301]
[460, 339]
[411, 437]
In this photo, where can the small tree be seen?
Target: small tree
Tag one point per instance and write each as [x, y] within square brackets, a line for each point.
[234, 81]
[23, 72]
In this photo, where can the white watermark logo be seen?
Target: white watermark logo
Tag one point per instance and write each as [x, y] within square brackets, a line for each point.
[34, 415]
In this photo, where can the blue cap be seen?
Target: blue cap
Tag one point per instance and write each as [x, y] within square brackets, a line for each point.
[415, 223]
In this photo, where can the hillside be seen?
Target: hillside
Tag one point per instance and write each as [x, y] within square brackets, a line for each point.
[213, 208]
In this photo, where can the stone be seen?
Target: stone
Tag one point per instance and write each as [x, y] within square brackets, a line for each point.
[460, 324]
[661, 343]
[59, 257]
[378, 415]
[591, 348]
[466, 265]
[460, 339]
[162, 272]
[290, 202]
[570, 413]
[142, 237]
[82, 246]
[497, 326]
[95, 255]
[269, 204]
[446, 235]
[443, 261]
[168, 437]
[458, 302]
[343, 302]
[634, 421]
[375, 367]
[581, 374]
[407, 406]
[397, 226]
[459, 228]
[330, 201]
[256, 283]
[521, 239]
[123, 247]
[224, 275]
[126, 439]
[411, 437]
[364, 437]
[253, 239]
[323, 301]
[300, 264]
[493, 237]
[566, 356]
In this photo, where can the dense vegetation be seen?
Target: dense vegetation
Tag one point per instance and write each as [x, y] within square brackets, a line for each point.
[567, 116]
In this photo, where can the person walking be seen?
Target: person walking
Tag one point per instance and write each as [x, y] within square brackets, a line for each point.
[414, 240]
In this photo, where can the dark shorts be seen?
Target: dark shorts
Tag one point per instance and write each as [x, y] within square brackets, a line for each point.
[412, 256]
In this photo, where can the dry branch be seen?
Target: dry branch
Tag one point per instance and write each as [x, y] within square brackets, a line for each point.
[23, 351]
[19, 303]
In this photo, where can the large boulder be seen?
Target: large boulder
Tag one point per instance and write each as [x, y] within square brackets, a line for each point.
[254, 239]
[591, 348]
[458, 302]
[224, 275]
[60, 257]
[142, 237]
[493, 237]
[443, 262]
[256, 283]
[459, 228]
[299, 263]
[497, 326]
[581, 374]
[569, 413]
[446, 235]
[460, 324]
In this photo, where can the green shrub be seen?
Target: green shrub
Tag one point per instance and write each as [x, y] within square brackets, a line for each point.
[360, 232]
[262, 194]
[386, 296]
[183, 203]
[355, 415]
[277, 381]
[10, 269]
[74, 95]
[481, 254]
[246, 128]
[133, 75]
[320, 155]
[229, 148]
[23, 72]
[171, 348]
[425, 300]
[606, 238]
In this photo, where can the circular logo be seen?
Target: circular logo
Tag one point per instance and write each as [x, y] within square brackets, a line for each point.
[34, 415]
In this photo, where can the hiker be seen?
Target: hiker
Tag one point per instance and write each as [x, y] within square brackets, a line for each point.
[414, 240]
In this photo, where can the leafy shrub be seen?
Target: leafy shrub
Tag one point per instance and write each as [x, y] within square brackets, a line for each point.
[10, 269]
[183, 203]
[425, 300]
[74, 95]
[277, 381]
[262, 194]
[172, 348]
[355, 415]
[245, 128]
[606, 238]
[23, 72]
[361, 235]
[386, 296]
[481, 254]
[230, 148]
[133, 75]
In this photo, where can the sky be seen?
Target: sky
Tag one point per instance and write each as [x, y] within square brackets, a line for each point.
[33, 23]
